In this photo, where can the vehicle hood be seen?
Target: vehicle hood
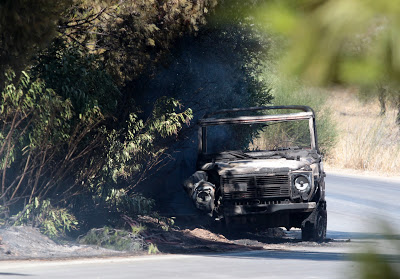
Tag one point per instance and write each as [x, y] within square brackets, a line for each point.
[247, 166]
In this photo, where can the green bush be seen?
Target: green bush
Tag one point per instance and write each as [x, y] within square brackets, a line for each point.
[114, 239]
[372, 263]
[51, 221]
[77, 75]
[132, 205]
[34, 128]
[375, 265]
[50, 150]
[152, 249]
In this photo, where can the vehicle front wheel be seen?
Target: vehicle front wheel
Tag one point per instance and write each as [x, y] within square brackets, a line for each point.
[315, 230]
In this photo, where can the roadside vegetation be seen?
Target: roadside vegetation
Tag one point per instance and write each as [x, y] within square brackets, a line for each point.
[121, 240]
[369, 140]
[74, 142]
[76, 138]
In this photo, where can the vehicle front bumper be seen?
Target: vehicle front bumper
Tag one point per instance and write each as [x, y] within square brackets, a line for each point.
[235, 210]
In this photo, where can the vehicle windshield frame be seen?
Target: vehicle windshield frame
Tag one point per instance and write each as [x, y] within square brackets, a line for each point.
[306, 114]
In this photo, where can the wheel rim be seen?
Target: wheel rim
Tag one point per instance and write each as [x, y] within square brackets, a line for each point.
[320, 228]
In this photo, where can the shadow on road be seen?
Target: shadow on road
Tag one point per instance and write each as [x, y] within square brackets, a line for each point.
[291, 255]
[303, 256]
[13, 274]
[360, 235]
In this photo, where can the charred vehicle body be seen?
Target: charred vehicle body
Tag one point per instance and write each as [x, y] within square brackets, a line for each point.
[277, 180]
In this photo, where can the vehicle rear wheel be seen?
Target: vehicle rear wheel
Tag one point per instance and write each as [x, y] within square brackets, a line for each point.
[315, 230]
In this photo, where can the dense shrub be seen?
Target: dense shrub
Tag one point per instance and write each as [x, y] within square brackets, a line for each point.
[49, 151]
[78, 75]
[51, 221]
[114, 239]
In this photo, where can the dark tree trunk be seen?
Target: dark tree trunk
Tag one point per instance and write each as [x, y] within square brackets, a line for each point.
[398, 109]
[382, 99]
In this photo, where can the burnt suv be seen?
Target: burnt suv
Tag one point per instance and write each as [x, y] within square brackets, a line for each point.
[259, 168]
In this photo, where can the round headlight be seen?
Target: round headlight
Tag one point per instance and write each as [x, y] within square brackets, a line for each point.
[302, 183]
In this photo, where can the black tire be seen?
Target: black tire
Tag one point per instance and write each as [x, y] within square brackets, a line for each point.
[307, 232]
[316, 230]
[322, 222]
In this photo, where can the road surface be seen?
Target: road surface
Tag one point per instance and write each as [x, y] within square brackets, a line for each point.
[357, 206]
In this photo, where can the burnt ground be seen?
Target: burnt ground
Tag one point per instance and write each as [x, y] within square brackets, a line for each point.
[186, 236]
[196, 236]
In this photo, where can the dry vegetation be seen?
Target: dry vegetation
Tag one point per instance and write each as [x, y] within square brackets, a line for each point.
[366, 140]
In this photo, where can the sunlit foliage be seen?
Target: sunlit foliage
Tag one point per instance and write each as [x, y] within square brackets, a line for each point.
[49, 151]
[133, 35]
[348, 41]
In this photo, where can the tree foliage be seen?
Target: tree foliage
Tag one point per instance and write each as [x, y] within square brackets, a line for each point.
[71, 129]
[25, 27]
[351, 42]
[47, 150]
[132, 36]
[338, 41]
[39, 147]
[65, 127]
[78, 75]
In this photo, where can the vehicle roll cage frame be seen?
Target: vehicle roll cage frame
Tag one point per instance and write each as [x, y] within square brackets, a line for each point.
[207, 120]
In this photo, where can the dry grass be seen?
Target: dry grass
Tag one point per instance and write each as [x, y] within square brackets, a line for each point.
[366, 141]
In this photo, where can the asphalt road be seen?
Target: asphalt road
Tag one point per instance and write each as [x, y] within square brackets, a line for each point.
[357, 206]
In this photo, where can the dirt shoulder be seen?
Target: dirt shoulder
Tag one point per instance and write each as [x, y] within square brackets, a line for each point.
[22, 243]
[26, 243]
[362, 173]
[185, 237]
[19, 243]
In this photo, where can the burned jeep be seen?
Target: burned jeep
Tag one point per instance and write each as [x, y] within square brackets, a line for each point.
[257, 168]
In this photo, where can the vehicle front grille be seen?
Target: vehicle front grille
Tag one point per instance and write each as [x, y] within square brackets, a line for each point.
[255, 186]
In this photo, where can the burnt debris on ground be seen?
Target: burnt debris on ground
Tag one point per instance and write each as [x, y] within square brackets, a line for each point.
[185, 236]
